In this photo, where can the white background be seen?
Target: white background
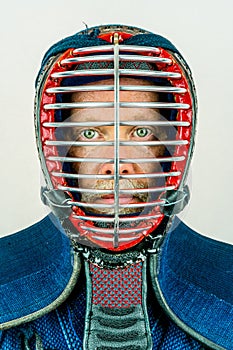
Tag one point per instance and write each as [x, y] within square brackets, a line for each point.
[201, 30]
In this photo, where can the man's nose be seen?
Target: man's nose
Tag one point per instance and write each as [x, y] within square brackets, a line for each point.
[124, 168]
[108, 169]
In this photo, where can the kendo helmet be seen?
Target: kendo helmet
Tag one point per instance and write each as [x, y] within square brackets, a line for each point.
[101, 81]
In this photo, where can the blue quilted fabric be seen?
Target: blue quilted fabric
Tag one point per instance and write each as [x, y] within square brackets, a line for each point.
[63, 329]
[201, 304]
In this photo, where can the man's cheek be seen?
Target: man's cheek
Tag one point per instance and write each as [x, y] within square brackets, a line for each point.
[88, 169]
[76, 152]
[150, 153]
[158, 151]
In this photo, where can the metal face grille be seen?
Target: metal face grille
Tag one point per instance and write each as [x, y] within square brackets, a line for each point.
[114, 131]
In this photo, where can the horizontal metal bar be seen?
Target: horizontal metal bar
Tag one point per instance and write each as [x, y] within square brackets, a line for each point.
[83, 176]
[65, 89]
[79, 105]
[111, 231]
[95, 218]
[150, 88]
[111, 143]
[90, 205]
[128, 72]
[132, 205]
[122, 48]
[150, 175]
[121, 191]
[143, 204]
[166, 105]
[111, 177]
[81, 73]
[153, 160]
[128, 160]
[107, 58]
[111, 123]
[79, 143]
[81, 160]
[143, 58]
[134, 48]
[86, 190]
[147, 190]
[111, 239]
[154, 143]
[111, 219]
[149, 73]
[155, 123]
[88, 58]
[73, 124]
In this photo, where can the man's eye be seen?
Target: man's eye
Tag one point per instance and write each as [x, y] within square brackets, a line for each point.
[89, 134]
[141, 132]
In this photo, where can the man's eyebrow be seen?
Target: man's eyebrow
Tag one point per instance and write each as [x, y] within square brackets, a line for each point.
[91, 117]
[145, 116]
[86, 115]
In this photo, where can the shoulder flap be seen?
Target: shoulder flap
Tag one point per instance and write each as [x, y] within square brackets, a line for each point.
[37, 272]
[193, 280]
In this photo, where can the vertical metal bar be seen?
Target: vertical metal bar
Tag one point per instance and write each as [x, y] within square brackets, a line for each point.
[117, 139]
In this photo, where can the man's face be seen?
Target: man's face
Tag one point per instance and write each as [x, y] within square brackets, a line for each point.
[139, 133]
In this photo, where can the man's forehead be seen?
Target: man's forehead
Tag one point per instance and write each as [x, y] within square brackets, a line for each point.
[107, 114]
[108, 95]
[123, 81]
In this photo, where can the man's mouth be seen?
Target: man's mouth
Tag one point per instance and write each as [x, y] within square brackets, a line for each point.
[123, 199]
[107, 201]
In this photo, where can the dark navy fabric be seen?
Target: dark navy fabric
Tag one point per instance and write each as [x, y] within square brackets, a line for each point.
[36, 266]
[196, 278]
